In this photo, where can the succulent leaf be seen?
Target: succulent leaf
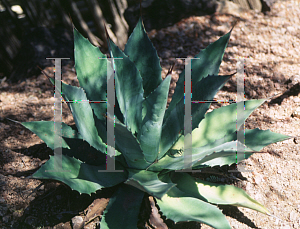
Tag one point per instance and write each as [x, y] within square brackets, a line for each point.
[216, 193]
[129, 147]
[205, 90]
[123, 208]
[79, 176]
[150, 134]
[141, 52]
[149, 182]
[91, 72]
[171, 129]
[255, 139]
[178, 162]
[129, 89]
[83, 116]
[179, 206]
[208, 64]
[45, 131]
[219, 123]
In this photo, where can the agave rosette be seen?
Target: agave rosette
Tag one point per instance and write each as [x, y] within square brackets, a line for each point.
[149, 138]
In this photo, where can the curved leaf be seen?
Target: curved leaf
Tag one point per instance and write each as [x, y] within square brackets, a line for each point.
[123, 209]
[83, 116]
[150, 134]
[205, 90]
[129, 89]
[148, 181]
[91, 72]
[208, 64]
[179, 206]
[45, 131]
[177, 162]
[172, 129]
[219, 123]
[255, 139]
[79, 176]
[216, 193]
[141, 52]
[129, 147]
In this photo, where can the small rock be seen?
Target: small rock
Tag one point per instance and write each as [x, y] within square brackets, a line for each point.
[296, 113]
[179, 49]
[296, 100]
[293, 216]
[77, 222]
[6, 218]
[31, 221]
[166, 54]
[3, 211]
[173, 29]
[290, 28]
[160, 35]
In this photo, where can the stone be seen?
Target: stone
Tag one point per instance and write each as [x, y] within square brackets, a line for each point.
[227, 7]
[77, 222]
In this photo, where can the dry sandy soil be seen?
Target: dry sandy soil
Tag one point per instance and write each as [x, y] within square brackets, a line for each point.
[270, 43]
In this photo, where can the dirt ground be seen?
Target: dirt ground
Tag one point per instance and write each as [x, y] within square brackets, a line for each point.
[270, 45]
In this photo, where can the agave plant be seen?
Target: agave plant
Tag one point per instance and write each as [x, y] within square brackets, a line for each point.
[149, 139]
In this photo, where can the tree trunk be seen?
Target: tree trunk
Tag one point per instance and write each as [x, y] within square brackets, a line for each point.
[100, 22]
[64, 17]
[84, 27]
[118, 27]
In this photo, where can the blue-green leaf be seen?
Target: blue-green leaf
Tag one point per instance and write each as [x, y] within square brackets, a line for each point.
[45, 131]
[91, 72]
[79, 176]
[179, 206]
[208, 64]
[219, 123]
[83, 116]
[205, 90]
[216, 193]
[129, 89]
[178, 162]
[150, 133]
[148, 181]
[255, 139]
[81, 150]
[123, 209]
[141, 52]
[129, 147]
